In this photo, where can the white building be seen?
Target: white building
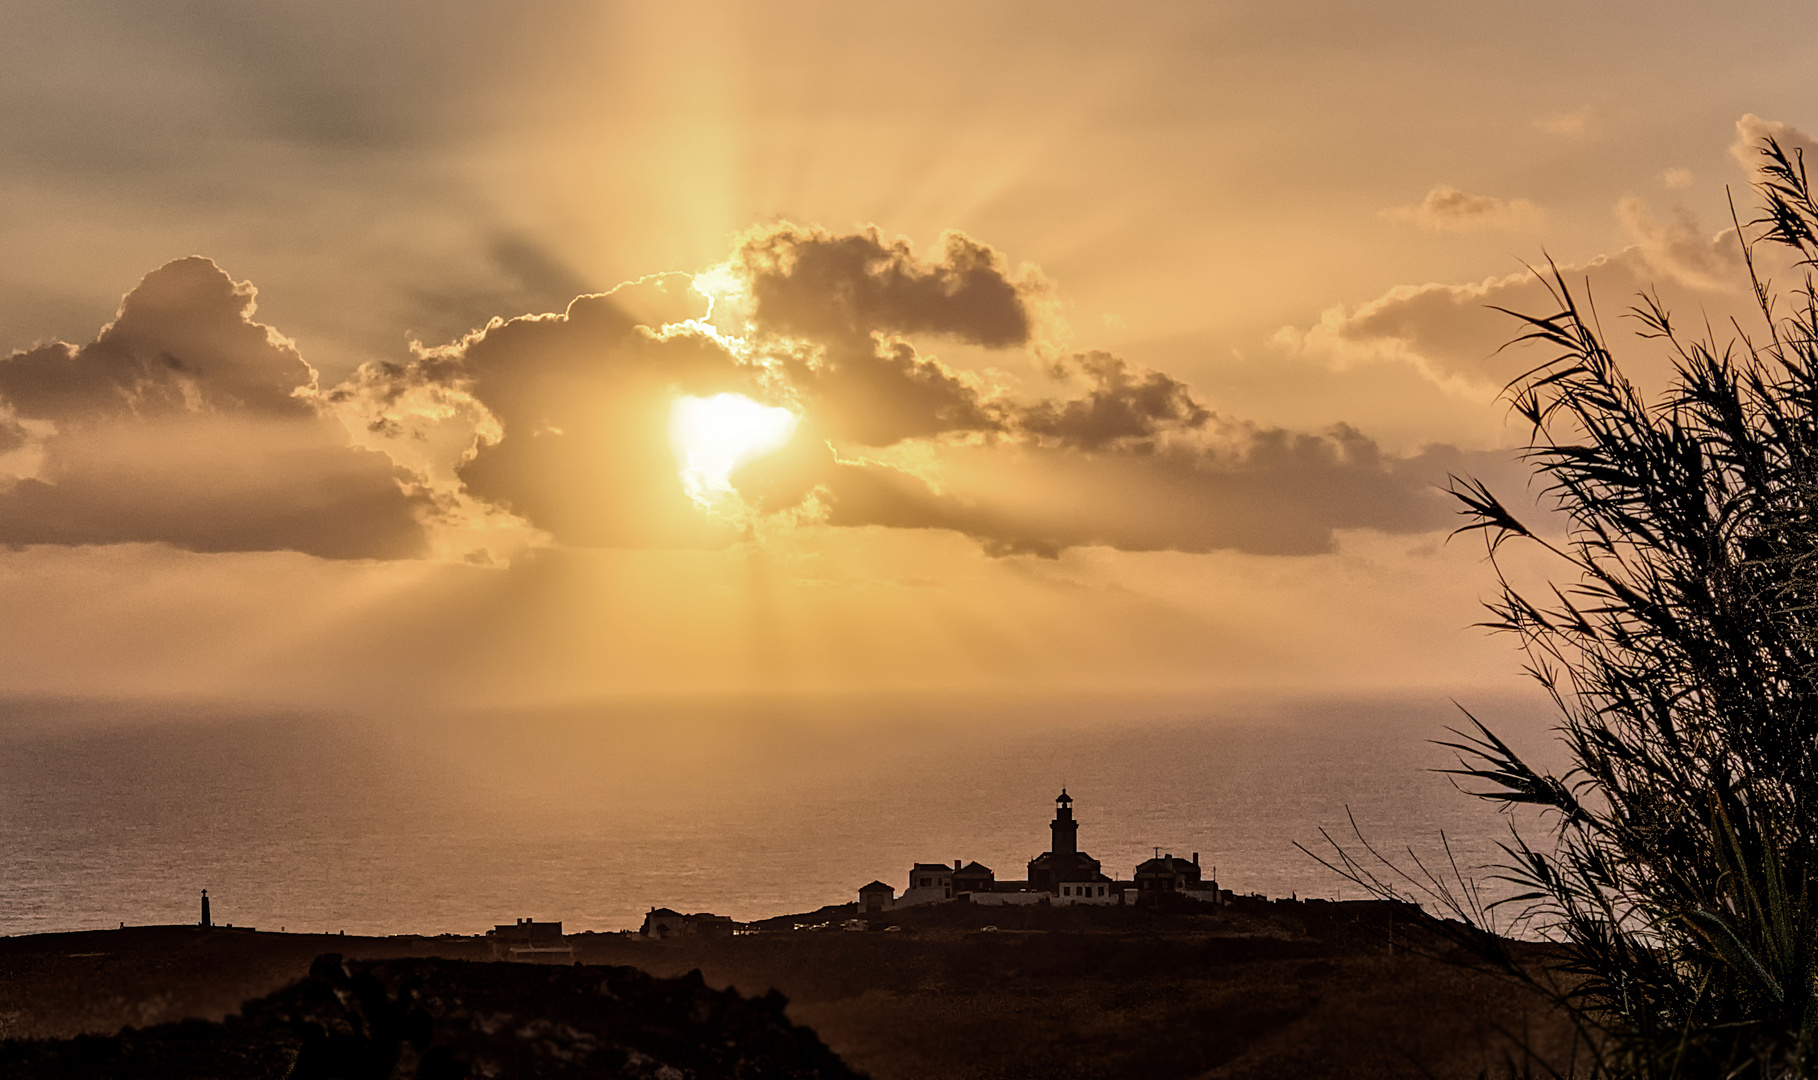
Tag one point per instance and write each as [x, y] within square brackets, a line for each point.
[929, 883]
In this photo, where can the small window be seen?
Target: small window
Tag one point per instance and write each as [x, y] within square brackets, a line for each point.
[1101, 890]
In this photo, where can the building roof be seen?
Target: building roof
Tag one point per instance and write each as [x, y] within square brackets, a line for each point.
[974, 867]
[930, 866]
[526, 930]
[1167, 864]
[877, 886]
[664, 912]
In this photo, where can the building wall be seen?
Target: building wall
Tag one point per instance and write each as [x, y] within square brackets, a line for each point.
[664, 926]
[939, 878]
[932, 894]
[1010, 899]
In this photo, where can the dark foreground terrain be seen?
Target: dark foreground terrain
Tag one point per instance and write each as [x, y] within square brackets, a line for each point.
[1257, 990]
[433, 1019]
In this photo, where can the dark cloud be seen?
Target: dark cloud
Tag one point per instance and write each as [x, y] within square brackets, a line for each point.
[187, 423]
[184, 341]
[218, 484]
[1123, 407]
[883, 392]
[12, 436]
[1262, 491]
[581, 406]
[379, 390]
[809, 282]
[836, 310]
[1133, 461]
[889, 393]
[584, 401]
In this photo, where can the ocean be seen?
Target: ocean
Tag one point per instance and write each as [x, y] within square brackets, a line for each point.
[593, 814]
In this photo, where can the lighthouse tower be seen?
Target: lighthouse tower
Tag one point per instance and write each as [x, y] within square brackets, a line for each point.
[1064, 866]
[1064, 828]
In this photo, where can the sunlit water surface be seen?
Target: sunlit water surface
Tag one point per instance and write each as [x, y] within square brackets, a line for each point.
[594, 815]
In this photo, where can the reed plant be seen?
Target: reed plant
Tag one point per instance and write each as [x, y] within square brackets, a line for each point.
[1678, 866]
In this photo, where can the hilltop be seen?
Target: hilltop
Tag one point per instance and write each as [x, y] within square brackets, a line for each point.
[1257, 989]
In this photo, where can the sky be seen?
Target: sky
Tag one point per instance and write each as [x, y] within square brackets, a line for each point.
[468, 353]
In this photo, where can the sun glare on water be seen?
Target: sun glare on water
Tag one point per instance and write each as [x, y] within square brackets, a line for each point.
[715, 435]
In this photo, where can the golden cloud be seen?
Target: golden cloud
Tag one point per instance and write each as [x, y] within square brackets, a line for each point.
[187, 423]
[1447, 209]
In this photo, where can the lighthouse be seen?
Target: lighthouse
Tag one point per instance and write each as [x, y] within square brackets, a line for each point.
[1064, 868]
[1064, 828]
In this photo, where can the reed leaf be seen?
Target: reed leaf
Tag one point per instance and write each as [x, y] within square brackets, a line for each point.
[1679, 642]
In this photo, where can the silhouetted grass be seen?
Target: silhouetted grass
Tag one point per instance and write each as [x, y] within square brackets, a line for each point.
[1680, 646]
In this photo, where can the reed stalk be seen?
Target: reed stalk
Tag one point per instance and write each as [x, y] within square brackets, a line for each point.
[1679, 644]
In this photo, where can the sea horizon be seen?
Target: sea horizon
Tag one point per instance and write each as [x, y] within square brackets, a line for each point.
[593, 814]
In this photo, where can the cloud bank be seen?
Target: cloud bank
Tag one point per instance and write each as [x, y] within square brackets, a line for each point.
[185, 422]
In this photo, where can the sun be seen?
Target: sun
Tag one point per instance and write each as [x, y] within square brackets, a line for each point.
[713, 436]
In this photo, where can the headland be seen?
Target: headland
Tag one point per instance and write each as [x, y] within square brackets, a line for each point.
[1247, 989]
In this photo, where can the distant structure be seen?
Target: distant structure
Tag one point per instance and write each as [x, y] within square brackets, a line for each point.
[929, 883]
[1062, 876]
[206, 921]
[663, 923]
[876, 896]
[1064, 869]
[973, 877]
[1165, 874]
[530, 941]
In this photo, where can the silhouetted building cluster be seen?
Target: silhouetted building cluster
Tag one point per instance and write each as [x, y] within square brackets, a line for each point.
[1062, 875]
[662, 923]
[530, 940]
